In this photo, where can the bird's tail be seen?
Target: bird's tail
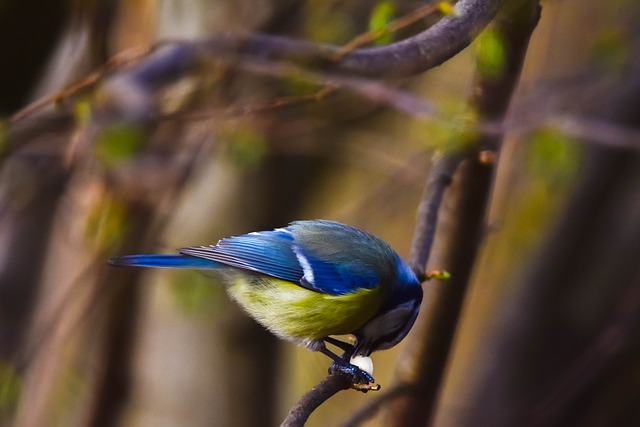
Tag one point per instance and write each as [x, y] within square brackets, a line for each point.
[165, 261]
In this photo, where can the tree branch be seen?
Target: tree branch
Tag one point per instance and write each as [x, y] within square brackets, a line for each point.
[439, 178]
[408, 57]
[467, 201]
[301, 411]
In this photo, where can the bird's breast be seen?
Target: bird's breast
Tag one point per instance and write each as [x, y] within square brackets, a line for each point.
[298, 314]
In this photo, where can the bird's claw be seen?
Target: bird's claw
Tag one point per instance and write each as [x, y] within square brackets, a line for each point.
[360, 380]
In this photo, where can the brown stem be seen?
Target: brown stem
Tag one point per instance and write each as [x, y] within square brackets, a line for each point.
[462, 227]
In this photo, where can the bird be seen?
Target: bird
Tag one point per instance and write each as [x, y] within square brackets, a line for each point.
[309, 282]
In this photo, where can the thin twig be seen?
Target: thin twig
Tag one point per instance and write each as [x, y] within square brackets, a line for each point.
[398, 24]
[373, 90]
[118, 61]
[439, 178]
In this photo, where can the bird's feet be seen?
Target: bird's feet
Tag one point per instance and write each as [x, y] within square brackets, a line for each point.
[360, 380]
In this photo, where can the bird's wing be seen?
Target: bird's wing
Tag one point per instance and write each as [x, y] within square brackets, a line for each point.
[284, 255]
[266, 252]
[332, 278]
[339, 259]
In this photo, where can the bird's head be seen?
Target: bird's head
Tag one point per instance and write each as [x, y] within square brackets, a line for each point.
[396, 316]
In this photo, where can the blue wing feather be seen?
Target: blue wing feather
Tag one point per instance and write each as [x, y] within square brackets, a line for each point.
[299, 254]
[331, 278]
[266, 252]
[345, 258]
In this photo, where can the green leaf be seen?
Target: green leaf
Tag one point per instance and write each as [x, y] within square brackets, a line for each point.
[552, 155]
[446, 8]
[491, 55]
[82, 110]
[117, 143]
[382, 14]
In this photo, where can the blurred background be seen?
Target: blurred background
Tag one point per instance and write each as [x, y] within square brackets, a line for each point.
[549, 327]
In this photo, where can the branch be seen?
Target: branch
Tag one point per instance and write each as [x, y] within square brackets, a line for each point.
[428, 49]
[301, 411]
[440, 176]
[334, 383]
[468, 201]
[409, 57]
[475, 194]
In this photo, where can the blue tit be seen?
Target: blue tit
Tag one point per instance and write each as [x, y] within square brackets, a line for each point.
[311, 281]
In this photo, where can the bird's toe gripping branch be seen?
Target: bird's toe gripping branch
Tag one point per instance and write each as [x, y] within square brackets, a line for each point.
[360, 380]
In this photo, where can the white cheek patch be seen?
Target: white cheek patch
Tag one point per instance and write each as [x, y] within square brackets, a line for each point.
[306, 267]
[363, 362]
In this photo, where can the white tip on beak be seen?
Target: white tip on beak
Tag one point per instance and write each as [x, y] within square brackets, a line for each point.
[364, 363]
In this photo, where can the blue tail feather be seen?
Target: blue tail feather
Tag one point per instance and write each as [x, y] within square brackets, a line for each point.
[165, 261]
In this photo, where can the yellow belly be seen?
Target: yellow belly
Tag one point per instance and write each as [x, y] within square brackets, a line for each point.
[298, 314]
